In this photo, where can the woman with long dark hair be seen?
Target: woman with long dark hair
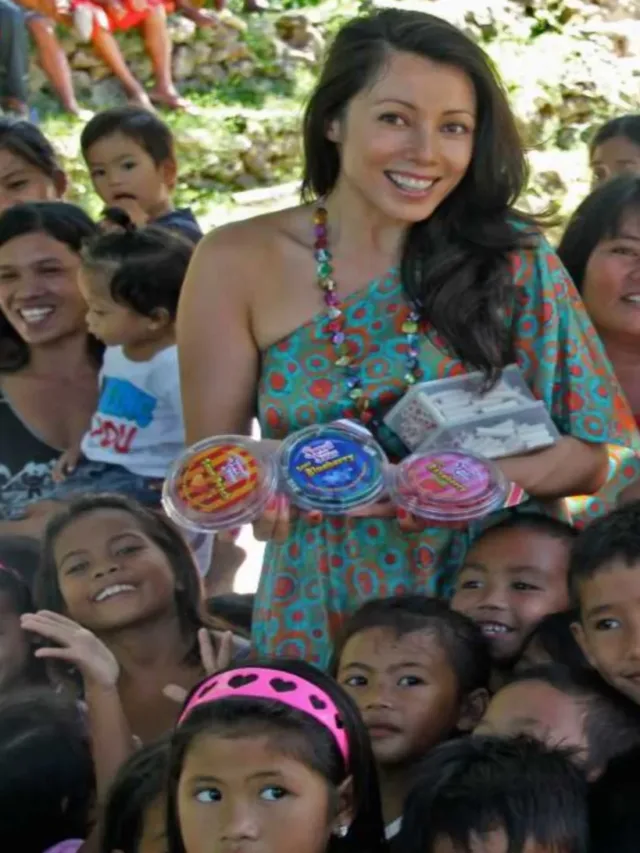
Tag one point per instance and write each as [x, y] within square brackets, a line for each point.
[407, 262]
[48, 363]
[601, 250]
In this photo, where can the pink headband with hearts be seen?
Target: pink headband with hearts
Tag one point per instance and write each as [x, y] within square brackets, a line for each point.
[259, 683]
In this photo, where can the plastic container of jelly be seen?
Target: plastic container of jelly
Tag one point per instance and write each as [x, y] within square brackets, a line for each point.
[448, 486]
[219, 483]
[333, 468]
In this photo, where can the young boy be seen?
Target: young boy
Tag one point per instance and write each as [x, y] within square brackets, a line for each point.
[513, 576]
[131, 158]
[604, 579]
[575, 710]
[418, 673]
[489, 795]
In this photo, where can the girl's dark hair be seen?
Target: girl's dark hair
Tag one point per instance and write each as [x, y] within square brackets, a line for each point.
[22, 554]
[554, 637]
[138, 784]
[626, 126]
[600, 217]
[611, 721]
[46, 771]
[160, 530]
[613, 806]
[460, 638]
[455, 264]
[299, 735]
[26, 141]
[16, 589]
[475, 785]
[63, 222]
[536, 522]
[146, 265]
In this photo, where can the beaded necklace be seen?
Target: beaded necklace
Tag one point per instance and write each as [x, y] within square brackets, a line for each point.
[335, 328]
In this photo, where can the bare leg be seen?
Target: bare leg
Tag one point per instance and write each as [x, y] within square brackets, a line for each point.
[109, 51]
[54, 61]
[158, 44]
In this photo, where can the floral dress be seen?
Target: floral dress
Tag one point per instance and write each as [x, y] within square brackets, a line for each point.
[323, 572]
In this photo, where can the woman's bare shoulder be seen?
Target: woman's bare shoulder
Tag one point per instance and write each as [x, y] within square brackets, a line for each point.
[254, 240]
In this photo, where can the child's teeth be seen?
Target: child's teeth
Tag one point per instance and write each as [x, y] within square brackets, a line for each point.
[35, 315]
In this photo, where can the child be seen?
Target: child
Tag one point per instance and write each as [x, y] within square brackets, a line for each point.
[272, 757]
[131, 157]
[552, 641]
[120, 598]
[573, 710]
[418, 673]
[513, 576]
[613, 806]
[604, 577]
[29, 167]
[615, 148]
[131, 283]
[46, 774]
[135, 814]
[18, 666]
[488, 795]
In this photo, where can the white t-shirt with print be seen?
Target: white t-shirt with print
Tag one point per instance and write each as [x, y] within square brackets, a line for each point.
[138, 423]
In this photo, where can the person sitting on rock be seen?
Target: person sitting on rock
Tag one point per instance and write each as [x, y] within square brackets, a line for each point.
[101, 19]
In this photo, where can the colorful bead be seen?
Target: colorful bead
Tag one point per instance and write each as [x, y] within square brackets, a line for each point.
[410, 327]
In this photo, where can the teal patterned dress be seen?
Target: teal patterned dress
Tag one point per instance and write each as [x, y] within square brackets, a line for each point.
[323, 572]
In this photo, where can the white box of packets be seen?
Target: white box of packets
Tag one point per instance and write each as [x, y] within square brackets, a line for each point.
[459, 412]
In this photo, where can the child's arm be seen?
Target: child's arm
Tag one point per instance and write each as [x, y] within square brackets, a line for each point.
[111, 738]
[201, 17]
[66, 463]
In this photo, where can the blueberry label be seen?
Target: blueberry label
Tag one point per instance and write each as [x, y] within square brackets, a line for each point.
[333, 467]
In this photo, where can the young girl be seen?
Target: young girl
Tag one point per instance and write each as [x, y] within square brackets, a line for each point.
[488, 795]
[120, 599]
[131, 282]
[418, 672]
[29, 167]
[615, 148]
[272, 757]
[135, 814]
[18, 665]
[46, 774]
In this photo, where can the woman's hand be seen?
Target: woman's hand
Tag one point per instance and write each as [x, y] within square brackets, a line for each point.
[76, 645]
[213, 658]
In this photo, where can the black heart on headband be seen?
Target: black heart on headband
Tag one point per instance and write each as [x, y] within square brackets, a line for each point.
[282, 686]
[238, 681]
[317, 703]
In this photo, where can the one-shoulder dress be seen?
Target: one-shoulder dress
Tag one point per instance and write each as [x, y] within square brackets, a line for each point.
[322, 573]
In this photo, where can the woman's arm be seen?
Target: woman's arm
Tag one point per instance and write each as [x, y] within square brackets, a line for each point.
[219, 358]
[570, 467]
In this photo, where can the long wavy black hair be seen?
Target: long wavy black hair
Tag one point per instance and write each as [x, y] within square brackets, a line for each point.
[455, 264]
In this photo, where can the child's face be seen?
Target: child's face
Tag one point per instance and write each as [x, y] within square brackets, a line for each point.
[111, 574]
[510, 580]
[22, 182]
[493, 842]
[609, 627]
[406, 690]
[124, 173]
[245, 795]
[15, 649]
[537, 709]
[112, 323]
